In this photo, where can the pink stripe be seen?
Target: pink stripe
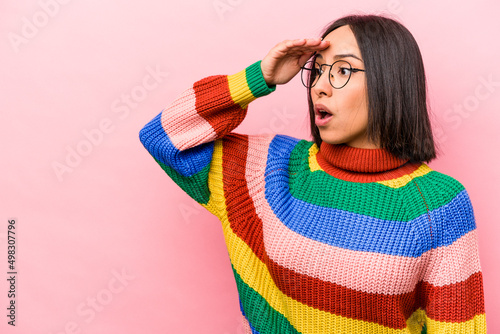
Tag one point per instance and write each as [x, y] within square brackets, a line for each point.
[183, 125]
[244, 327]
[454, 263]
[374, 272]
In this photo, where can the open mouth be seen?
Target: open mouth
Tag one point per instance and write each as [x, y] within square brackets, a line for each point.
[322, 114]
[322, 118]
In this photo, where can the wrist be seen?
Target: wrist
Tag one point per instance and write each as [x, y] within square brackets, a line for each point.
[268, 80]
[248, 84]
[258, 77]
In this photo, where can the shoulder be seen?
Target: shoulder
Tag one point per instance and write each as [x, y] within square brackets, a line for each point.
[441, 189]
[449, 210]
[440, 182]
[288, 146]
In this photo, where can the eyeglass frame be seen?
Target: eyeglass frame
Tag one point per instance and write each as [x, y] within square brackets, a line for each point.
[351, 71]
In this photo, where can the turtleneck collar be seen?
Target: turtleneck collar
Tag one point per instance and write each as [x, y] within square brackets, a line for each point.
[361, 164]
[364, 160]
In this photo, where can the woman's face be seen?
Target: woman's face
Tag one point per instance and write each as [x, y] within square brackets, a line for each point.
[348, 106]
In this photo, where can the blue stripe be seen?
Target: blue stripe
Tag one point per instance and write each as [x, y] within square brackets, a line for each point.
[356, 231]
[187, 163]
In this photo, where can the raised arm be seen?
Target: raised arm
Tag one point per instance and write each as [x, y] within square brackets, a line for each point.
[185, 137]
[181, 138]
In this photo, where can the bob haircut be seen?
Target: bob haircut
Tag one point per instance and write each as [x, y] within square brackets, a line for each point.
[396, 87]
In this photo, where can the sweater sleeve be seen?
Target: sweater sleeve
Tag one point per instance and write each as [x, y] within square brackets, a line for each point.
[451, 286]
[186, 138]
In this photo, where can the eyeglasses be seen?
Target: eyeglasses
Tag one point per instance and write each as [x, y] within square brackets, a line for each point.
[339, 74]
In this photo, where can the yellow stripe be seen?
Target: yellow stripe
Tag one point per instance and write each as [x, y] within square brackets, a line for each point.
[476, 325]
[403, 180]
[216, 200]
[313, 162]
[239, 89]
[255, 273]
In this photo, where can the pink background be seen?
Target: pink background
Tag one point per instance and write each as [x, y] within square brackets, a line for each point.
[114, 246]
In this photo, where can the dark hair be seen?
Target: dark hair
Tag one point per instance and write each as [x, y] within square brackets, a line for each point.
[396, 84]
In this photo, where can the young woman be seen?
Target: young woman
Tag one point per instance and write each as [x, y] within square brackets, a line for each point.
[351, 232]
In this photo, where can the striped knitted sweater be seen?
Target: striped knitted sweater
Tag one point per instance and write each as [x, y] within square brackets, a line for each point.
[322, 240]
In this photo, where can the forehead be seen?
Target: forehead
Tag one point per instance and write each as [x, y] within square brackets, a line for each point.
[342, 41]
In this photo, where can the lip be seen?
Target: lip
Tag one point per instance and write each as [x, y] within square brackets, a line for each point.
[318, 107]
[317, 119]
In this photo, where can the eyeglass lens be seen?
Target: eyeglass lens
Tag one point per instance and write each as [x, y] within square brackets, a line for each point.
[340, 72]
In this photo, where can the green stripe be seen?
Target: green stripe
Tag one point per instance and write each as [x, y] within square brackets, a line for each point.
[401, 204]
[264, 318]
[256, 82]
[196, 186]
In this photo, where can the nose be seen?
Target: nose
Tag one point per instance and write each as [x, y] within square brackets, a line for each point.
[322, 86]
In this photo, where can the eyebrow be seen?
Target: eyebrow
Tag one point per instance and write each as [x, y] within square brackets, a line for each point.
[344, 55]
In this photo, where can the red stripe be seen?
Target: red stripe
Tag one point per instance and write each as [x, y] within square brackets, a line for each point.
[457, 302]
[387, 310]
[214, 104]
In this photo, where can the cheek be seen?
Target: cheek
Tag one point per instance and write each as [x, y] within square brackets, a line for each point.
[356, 96]
[356, 108]
[353, 102]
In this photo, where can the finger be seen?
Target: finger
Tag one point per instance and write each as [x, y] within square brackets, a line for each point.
[298, 47]
[303, 41]
[313, 41]
[299, 50]
[317, 42]
[307, 44]
[295, 42]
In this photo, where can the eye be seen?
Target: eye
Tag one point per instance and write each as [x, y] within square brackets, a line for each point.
[317, 70]
[345, 70]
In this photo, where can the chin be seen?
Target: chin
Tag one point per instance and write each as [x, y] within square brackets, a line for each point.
[333, 140]
[356, 144]
[355, 140]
